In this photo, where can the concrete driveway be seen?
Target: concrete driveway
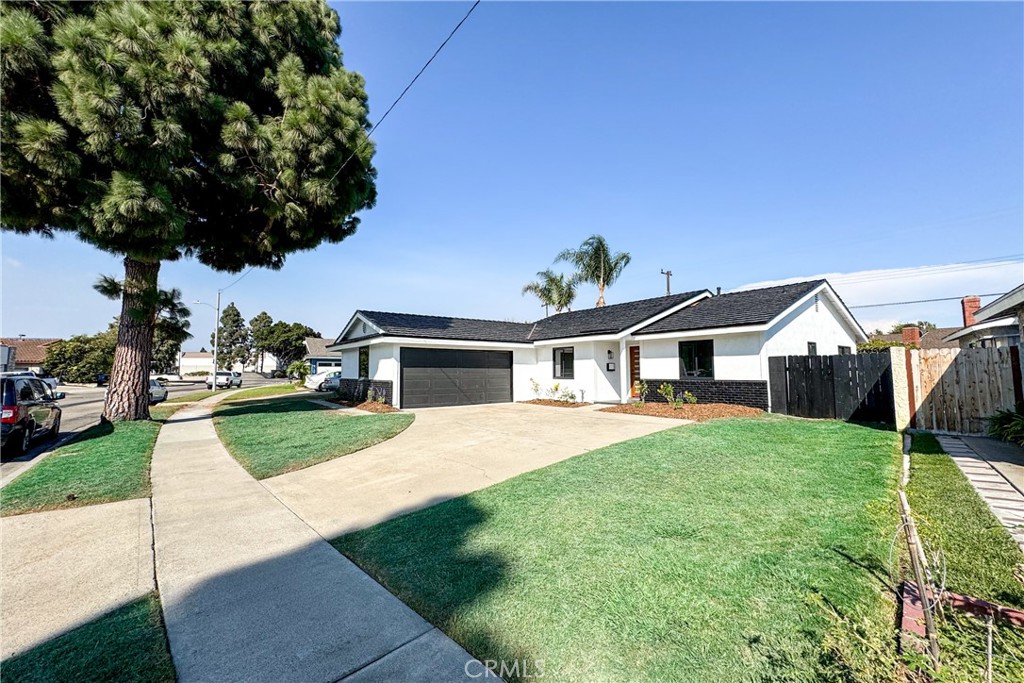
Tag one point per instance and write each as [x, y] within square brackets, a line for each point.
[446, 453]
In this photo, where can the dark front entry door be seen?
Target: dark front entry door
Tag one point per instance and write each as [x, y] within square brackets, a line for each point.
[634, 369]
[453, 377]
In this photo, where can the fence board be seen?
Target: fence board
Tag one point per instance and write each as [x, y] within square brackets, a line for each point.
[845, 387]
[957, 389]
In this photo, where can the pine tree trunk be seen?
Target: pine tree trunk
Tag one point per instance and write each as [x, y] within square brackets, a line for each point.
[128, 396]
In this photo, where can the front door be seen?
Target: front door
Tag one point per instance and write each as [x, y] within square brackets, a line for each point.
[634, 370]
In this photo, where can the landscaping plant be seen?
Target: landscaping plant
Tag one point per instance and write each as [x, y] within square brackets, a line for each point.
[1008, 425]
[668, 392]
[299, 369]
[641, 391]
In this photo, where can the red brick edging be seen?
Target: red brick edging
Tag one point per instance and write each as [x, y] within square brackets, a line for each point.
[913, 609]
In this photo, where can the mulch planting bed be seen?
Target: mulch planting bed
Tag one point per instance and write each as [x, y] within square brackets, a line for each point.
[556, 404]
[694, 411]
[368, 406]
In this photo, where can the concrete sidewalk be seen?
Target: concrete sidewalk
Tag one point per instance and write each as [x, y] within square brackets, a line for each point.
[251, 593]
[1000, 493]
[65, 568]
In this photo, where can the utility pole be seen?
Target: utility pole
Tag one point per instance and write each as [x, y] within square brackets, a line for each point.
[668, 281]
[216, 337]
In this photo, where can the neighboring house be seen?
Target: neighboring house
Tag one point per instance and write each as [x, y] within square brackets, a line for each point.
[195, 361]
[319, 358]
[993, 326]
[717, 347]
[913, 336]
[29, 353]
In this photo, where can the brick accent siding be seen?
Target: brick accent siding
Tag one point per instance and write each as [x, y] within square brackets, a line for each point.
[742, 392]
[356, 389]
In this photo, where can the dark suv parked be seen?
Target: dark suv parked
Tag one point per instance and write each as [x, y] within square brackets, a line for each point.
[29, 410]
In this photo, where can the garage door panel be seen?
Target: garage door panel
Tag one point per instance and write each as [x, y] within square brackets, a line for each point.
[446, 377]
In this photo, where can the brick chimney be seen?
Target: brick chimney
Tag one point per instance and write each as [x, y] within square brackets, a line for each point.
[970, 306]
[912, 335]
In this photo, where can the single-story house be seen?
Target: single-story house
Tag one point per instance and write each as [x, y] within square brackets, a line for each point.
[192, 362]
[715, 346]
[999, 324]
[29, 353]
[319, 358]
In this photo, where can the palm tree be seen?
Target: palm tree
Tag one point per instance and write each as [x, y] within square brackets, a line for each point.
[595, 263]
[553, 290]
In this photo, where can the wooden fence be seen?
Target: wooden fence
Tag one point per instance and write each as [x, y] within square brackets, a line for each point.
[954, 390]
[857, 388]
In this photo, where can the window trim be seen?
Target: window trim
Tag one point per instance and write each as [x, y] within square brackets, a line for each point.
[360, 364]
[845, 351]
[679, 354]
[557, 366]
[812, 348]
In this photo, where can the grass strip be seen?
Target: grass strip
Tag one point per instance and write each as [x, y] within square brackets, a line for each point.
[128, 644]
[276, 436]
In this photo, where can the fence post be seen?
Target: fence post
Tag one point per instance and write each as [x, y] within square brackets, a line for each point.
[902, 387]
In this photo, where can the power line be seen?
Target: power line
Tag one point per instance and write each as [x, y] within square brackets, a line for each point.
[374, 127]
[239, 280]
[919, 301]
[930, 270]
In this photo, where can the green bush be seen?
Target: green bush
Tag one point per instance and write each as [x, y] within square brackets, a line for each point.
[1008, 425]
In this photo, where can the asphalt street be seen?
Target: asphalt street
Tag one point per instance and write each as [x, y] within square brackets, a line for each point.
[81, 409]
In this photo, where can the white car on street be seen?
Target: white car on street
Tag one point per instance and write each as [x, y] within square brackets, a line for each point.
[324, 381]
[225, 380]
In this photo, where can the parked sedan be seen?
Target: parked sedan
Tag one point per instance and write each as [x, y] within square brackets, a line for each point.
[157, 392]
[29, 410]
[324, 381]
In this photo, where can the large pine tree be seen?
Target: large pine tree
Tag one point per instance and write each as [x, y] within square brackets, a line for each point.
[228, 132]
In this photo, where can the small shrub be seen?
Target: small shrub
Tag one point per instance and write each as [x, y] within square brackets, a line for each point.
[1008, 425]
[535, 387]
[299, 370]
[552, 393]
[641, 388]
[668, 392]
[567, 395]
[689, 398]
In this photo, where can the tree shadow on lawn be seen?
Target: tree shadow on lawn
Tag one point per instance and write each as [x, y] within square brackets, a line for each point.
[441, 576]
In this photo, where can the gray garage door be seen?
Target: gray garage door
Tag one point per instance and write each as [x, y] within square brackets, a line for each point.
[450, 377]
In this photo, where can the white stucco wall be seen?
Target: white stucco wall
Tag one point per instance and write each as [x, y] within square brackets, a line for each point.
[810, 322]
[350, 363]
[590, 371]
[737, 356]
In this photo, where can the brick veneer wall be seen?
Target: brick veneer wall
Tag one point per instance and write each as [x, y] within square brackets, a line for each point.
[356, 389]
[743, 392]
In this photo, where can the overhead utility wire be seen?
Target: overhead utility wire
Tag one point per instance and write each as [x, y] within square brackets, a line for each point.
[919, 301]
[929, 270]
[238, 280]
[374, 127]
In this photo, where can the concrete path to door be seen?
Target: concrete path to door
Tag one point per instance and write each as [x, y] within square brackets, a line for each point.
[251, 593]
[445, 453]
[1000, 487]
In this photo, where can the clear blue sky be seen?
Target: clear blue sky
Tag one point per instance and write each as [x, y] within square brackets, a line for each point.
[731, 143]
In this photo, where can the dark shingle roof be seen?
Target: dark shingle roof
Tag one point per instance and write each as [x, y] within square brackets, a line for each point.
[750, 307]
[607, 319]
[444, 327]
[316, 347]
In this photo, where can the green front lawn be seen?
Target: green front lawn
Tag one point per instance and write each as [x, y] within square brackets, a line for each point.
[194, 396]
[277, 436]
[104, 463]
[126, 645]
[980, 560]
[736, 550]
[260, 392]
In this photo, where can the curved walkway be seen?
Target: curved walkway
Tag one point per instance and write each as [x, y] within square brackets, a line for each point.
[251, 593]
